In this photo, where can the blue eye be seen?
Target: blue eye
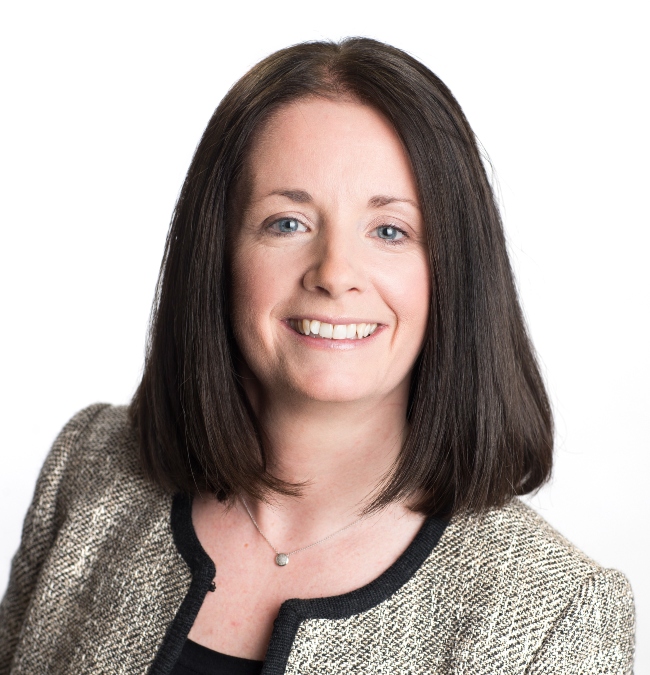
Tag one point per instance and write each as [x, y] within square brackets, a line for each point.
[287, 226]
[389, 233]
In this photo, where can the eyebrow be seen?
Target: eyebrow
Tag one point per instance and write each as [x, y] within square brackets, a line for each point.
[303, 197]
[299, 196]
[382, 200]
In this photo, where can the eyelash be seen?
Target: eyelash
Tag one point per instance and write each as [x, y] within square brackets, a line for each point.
[389, 242]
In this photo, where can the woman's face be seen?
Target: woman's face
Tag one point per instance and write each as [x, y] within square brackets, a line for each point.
[330, 245]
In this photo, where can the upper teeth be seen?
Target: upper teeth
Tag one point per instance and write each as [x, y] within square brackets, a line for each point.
[330, 331]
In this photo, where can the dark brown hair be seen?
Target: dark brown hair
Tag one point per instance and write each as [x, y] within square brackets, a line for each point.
[481, 428]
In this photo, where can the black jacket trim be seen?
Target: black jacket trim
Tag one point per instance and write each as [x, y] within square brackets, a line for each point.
[292, 612]
[203, 573]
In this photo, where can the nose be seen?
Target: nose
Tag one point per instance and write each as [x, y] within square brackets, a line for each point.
[337, 266]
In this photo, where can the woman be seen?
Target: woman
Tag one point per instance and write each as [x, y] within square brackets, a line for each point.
[340, 403]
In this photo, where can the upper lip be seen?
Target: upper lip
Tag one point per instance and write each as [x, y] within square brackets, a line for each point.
[335, 321]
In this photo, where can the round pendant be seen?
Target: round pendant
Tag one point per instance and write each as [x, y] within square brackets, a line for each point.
[281, 559]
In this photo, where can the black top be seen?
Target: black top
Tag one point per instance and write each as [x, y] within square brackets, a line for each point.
[292, 612]
[195, 659]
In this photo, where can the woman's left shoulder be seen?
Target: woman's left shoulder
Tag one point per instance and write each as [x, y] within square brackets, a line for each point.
[516, 541]
[517, 578]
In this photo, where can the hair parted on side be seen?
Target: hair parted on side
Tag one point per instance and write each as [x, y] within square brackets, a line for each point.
[480, 424]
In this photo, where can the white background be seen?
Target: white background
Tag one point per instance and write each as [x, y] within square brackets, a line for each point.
[103, 104]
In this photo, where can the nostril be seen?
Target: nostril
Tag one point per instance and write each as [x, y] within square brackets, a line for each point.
[335, 286]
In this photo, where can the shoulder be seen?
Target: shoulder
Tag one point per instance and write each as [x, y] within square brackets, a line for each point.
[100, 425]
[94, 466]
[515, 537]
[512, 580]
[98, 537]
[96, 445]
[513, 552]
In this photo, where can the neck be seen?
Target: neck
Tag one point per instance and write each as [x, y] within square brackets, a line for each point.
[340, 452]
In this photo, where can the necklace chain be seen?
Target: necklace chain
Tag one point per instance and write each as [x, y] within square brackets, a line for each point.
[282, 559]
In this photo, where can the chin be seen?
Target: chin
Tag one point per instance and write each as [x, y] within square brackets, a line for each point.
[335, 391]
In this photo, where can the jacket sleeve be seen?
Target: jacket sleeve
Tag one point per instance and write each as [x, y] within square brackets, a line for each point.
[42, 522]
[595, 634]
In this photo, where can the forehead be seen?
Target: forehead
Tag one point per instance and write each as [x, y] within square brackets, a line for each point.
[329, 146]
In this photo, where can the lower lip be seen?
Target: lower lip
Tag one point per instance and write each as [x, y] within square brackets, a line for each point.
[330, 343]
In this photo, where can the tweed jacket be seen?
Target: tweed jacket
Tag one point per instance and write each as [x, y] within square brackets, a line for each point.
[110, 576]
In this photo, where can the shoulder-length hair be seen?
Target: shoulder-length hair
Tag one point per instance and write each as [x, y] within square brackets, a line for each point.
[480, 424]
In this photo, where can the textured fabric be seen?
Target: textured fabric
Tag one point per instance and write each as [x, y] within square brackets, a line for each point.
[294, 611]
[521, 601]
[97, 578]
[98, 585]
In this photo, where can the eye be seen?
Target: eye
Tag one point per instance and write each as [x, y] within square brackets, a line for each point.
[287, 226]
[390, 233]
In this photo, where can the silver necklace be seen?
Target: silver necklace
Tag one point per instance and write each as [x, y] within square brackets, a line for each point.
[282, 559]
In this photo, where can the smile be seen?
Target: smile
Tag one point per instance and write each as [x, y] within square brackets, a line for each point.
[328, 331]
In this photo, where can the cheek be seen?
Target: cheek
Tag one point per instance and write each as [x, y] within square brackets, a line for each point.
[248, 294]
[406, 288]
[257, 288]
[248, 291]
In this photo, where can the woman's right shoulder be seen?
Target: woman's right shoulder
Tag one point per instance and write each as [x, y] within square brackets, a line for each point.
[97, 536]
[95, 452]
